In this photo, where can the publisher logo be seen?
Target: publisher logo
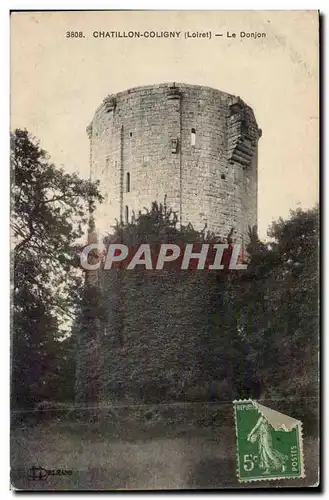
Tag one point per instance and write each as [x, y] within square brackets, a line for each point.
[37, 474]
[40, 474]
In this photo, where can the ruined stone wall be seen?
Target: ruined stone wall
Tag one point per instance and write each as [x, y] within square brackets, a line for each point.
[195, 147]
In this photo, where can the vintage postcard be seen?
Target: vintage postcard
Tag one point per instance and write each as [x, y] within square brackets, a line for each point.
[164, 250]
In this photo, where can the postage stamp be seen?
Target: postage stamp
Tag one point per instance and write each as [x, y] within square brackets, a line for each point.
[269, 443]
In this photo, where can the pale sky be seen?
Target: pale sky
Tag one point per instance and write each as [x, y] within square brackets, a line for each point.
[57, 83]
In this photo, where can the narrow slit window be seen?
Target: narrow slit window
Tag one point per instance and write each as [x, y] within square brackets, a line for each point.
[127, 214]
[128, 182]
[193, 135]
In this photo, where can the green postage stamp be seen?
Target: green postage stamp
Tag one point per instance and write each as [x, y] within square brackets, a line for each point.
[269, 443]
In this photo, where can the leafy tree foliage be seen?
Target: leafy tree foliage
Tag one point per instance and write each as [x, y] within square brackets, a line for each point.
[262, 334]
[277, 308]
[48, 213]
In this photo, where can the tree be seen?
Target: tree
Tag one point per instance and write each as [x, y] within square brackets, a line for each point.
[48, 213]
[277, 307]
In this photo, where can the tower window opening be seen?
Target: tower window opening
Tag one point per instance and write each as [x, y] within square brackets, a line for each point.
[174, 146]
[128, 182]
[223, 176]
[127, 214]
[193, 135]
[130, 134]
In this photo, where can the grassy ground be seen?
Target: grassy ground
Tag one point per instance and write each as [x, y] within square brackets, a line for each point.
[111, 457]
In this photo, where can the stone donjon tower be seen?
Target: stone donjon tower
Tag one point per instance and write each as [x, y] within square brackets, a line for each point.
[163, 336]
[194, 146]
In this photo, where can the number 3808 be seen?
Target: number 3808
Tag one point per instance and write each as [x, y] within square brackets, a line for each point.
[75, 34]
